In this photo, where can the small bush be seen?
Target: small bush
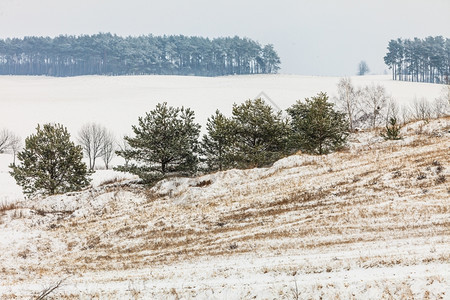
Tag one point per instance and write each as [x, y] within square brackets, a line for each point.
[203, 183]
[392, 130]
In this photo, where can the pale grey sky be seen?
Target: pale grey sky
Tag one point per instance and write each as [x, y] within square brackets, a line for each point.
[312, 37]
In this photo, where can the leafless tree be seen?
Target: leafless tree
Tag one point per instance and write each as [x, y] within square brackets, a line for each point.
[124, 147]
[108, 148]
[348, 100]
[15, 145]
[406, 114]
[421, 109]
[392, 110]
[445, 93]
[442, 103]
[440, 107]
[5, 139]
[374, 100]
[91, 137]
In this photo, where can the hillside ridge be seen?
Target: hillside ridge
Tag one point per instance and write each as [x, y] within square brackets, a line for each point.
[309, 225]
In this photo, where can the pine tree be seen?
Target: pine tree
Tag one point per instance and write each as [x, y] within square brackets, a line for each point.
[261, 134]
[50, 163]
[165, 143]
[217, 143]
[392, 131]
[316, 127]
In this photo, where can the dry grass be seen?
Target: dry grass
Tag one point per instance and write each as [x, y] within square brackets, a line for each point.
[7, 206]
[356, 198]
[114, 180]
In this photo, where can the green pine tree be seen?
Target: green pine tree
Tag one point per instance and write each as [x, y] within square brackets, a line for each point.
[50, 163]
[392, 130]
[316, 127]
[260, 133]
[217, 143]
[165, 143]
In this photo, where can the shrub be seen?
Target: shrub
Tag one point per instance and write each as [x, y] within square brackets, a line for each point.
[392, 130]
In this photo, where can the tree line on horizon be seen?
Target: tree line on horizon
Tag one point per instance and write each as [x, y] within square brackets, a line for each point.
[420, 60]
[108, 54]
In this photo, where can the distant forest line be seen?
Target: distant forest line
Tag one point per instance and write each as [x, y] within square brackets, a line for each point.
[108, 54]
[421, 60]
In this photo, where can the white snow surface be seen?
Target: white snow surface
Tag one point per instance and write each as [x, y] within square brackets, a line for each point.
[118, 101]
[9, 190]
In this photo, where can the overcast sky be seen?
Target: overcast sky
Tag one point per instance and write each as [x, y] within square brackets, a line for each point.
[312, 37]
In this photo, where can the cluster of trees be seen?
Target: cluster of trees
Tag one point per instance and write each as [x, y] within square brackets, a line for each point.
[107, 54]
[422, 60]
[371, 106]
[166, 141]
[97, 142]
[9, 141]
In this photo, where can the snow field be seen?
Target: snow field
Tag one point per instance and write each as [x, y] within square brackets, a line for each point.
[116, 102]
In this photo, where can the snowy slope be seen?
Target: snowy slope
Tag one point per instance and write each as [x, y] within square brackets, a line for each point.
[370, 222]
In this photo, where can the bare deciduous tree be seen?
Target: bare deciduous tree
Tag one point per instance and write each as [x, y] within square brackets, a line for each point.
[91, 137]
[108, 148]
[442, 103]
[348, 100]
[406, 114]
[392, 110]
[445, 94]
[15, 145]
[421, 109]
[10, 141]
[124, 147]
[374, 100]
[5, 139]
[440, 107]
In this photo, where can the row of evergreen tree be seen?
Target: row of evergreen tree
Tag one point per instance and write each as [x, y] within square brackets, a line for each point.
[108, 54]
[166, 142]
[421, 60]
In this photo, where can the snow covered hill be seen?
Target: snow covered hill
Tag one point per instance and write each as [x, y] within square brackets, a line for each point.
[369, 222]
